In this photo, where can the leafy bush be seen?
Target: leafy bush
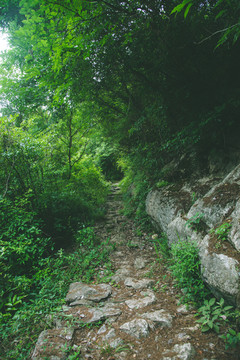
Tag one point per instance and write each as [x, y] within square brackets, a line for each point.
[213, 314]
[185, 267]
[49, 285]
[232, 338]
[22, 246]
[21, 239]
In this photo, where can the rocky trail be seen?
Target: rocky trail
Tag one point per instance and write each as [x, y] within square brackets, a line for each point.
[136, 315]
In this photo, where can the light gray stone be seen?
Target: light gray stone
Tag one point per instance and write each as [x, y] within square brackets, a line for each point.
[164, 205]
[148, 298]
[139, 284]
[140, 263]
[52, 344]
[193, 328]
[220, 201]
[234, 235]
[89, 315]
[80, 293]
[103, 313]
[222, 275]
[179, 230]
[116, 342]
[102, 329]
[182, 309]
[137, 328]
[183, 336]
[159, 318]
[183, 352]
[121, 274]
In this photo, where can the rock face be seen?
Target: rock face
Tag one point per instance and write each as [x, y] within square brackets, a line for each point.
[177, 213]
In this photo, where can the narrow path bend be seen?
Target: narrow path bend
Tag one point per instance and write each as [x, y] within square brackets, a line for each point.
[138, 314]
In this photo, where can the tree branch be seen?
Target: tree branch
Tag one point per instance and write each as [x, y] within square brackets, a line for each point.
[215, 33]
[81, 155]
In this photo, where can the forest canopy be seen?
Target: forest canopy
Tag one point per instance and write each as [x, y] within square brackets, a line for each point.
[87, 84]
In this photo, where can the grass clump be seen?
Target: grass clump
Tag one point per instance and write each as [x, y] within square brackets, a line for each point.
[185, 267]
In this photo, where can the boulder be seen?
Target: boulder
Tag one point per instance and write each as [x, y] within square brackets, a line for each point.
[218, 202]
[165, 204]
[221, 274]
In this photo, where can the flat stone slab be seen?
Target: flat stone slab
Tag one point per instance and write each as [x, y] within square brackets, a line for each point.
[158, 318]
[183, 352]
[52, 344]
[148, 298]
[121, 274]
[90, 315]
[80, 293]
[139, 284]
[140, 263]
[137, 328]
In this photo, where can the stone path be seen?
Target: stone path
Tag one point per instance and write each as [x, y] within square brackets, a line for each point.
[137, 315]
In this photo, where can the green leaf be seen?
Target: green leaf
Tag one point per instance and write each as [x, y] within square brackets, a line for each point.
[187, 10]
[180, 7]
[212, 301]
[205, 328]
[221, 302]
[216, 328]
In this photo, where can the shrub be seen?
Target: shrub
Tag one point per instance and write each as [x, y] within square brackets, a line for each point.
[213, 314]
[23, 245]
[50, 282]
[185, 267]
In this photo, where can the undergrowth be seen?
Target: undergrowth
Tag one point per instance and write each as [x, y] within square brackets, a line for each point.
[21, 325]
[183, 261]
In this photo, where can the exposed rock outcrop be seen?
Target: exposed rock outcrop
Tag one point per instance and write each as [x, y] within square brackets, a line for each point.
[175, 211]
